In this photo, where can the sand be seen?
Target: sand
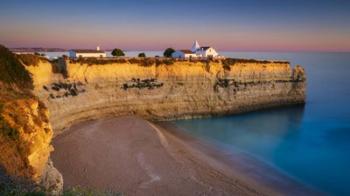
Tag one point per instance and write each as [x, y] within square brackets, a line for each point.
[135, 157]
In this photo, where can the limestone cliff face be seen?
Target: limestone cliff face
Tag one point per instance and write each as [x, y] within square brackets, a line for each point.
[25, 145]
[25, 140]
[181, 90]
[25, 131]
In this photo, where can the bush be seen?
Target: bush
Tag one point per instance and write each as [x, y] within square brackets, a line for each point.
[82, 191]
[30, 59]
[7, 189]
[226, 67]
[12, 70]
[142, 55]
[134, 61]
[232, 61]
[147, 62]
[166, 61]
[168, 52]
[97, 61]
[117, 52]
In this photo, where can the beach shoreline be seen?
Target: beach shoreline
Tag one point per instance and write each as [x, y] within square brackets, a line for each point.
[137, 157]
[242, 165]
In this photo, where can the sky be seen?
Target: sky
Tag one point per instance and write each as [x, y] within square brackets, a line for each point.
[228, 25]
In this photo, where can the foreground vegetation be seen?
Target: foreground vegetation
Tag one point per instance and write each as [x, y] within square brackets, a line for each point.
[12, 190]
[12, 71]
[31, 59]
[140, 61]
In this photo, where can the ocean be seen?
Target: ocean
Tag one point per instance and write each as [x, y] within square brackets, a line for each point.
[309, 143]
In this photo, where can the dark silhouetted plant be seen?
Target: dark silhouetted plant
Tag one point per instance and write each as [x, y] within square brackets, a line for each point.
[168, 52]
[12, 70]
[142, 55]
[117, 52]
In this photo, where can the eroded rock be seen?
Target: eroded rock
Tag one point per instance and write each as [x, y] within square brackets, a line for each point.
[25, 140]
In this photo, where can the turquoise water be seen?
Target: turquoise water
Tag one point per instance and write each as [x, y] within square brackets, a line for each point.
[310, 143]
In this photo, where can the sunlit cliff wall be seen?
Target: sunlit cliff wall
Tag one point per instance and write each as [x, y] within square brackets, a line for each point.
[73, 91]
[180, 90]
[25, 131]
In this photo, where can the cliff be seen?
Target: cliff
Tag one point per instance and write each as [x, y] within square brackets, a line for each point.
[181, 89]
[154, 89]
[25, 131]
[25, 144]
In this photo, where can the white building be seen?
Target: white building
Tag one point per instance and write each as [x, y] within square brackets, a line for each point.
[206, 51]
[184, 54]
[196, 52]
[87, 53]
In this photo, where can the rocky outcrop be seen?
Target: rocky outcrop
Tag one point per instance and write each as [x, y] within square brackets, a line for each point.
[25, 130]
[25, 143]
[161, 92]
[154, 89]
[51, 181]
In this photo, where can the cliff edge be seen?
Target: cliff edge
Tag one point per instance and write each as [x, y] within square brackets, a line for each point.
[165, 90]
[156, 89]
[25, 130]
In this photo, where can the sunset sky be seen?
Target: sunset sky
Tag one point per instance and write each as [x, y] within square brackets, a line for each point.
[232, 25]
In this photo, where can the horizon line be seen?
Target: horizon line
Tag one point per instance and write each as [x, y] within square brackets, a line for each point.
[224, 50]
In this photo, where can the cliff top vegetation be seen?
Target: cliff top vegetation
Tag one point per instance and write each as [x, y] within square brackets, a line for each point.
[31, 59]
[149, 61]
[12, 71]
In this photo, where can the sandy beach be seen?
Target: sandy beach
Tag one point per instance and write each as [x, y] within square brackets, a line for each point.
[136, 157]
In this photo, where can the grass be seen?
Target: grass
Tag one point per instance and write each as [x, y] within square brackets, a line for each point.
[13, 190]
[78, 191]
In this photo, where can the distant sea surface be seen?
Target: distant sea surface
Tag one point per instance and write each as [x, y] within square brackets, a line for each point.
[310, 143]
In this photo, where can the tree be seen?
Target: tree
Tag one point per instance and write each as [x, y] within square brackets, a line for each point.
[142, 54]
[168, 52]
[117, 52]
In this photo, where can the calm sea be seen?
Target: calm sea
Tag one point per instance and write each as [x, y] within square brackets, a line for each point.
[310, 143]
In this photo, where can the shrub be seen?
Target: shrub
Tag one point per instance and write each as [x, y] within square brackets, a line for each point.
[82, 191]
[168, 52]
[142, 54]
[232, 61]
[117, 52]
[97, 61]
[147, 62]
[11, 189]
[134, 61]
[226, 67]
[166, 61]
[30, 59]
[12, 70]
